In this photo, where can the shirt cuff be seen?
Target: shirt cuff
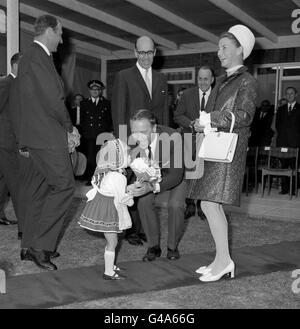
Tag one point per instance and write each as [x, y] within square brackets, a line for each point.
[156, 188]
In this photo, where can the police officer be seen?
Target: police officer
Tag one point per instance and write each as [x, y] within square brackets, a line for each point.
[95, 118]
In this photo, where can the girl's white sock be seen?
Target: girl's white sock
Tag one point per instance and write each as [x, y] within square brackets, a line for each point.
[109, 260]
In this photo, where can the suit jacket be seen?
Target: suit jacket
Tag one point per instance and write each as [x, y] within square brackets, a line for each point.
[7, 138]
[73, 114]
[188, 108]
[44, 119]
[130, 93]
[288, 126]
[95, 119]
[261, 132]
[171, 171]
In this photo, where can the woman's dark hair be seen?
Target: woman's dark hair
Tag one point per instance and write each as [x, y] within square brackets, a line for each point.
[230, 36]
[43, 22]
[144, 114]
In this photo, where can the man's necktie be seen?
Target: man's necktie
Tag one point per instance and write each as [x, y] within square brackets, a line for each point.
[149, 153]
[290, 109]
[148, 83]
[203, 102]
[77, 115]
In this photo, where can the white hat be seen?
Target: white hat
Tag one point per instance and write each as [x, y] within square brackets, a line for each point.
[245, 37]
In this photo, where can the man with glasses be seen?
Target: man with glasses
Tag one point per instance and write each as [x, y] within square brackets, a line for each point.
[139, 87]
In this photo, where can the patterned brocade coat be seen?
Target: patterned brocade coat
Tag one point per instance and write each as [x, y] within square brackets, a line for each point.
[222, 182]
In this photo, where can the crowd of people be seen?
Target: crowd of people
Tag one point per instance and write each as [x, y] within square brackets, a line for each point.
[39, 133]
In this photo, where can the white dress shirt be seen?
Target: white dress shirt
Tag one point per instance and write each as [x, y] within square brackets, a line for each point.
[143, 73]
[153, 149]
[43, 46]
[95, 100]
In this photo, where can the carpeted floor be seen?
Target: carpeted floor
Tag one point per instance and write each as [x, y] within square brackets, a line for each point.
[51, 289]
[82, 254]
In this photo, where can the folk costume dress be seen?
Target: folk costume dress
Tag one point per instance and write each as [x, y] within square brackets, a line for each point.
[106, 208]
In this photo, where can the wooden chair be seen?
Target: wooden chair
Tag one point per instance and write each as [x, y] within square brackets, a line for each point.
[261, 161]
[273, 169]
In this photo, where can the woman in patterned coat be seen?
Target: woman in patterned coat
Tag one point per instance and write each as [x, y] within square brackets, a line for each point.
[221, 183]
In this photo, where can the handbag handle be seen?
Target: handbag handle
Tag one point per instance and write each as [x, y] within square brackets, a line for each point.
[232, 122]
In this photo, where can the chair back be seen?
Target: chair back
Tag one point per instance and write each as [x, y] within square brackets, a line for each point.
[282, 153]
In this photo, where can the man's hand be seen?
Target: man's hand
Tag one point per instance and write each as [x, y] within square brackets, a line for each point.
[198, 128]
[140, 189]
[73, 138]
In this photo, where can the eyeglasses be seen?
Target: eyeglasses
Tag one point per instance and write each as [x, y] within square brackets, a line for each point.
[144, 53]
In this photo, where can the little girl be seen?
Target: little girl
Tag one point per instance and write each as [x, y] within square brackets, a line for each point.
[106, 209]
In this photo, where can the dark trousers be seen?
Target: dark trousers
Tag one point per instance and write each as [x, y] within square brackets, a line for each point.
[9, 168]
[90, 150]
[285, 181]
[50, 186]
[3, 195]
[176, 223]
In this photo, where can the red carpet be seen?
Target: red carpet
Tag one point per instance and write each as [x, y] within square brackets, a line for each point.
[49, 289]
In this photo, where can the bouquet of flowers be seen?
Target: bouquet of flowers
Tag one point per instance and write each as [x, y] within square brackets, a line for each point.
[146, 171]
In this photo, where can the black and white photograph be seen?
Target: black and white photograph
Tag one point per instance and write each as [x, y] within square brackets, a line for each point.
[149, 158]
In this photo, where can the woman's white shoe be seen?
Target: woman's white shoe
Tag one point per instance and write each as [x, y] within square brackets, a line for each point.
[208, 277]
[203, 270]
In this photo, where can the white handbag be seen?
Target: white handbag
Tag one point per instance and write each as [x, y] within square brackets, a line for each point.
[219, 146]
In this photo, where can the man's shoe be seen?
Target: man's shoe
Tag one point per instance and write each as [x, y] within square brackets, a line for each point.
[152, 253]
[173, 254]
[283, 192]
[143, 237]
[52, 254]
[41, 259]
[5, 221]
[134, 239]
[23, 254]
[190, 209]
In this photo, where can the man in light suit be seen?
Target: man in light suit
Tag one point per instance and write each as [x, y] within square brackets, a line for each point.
[8, 146]
[145, 130]
[139, 87]
[46, 133]
[192, 102]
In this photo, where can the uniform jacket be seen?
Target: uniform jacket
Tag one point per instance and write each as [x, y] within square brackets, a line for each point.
[95, 119]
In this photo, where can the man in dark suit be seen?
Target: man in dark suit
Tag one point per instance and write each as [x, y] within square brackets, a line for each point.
[193, 101]
[288, 130]
[261, 131]
[164, 146]
[139, 87]
[74, 111]
[46, 132]
[8, 146]
[95, 118]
